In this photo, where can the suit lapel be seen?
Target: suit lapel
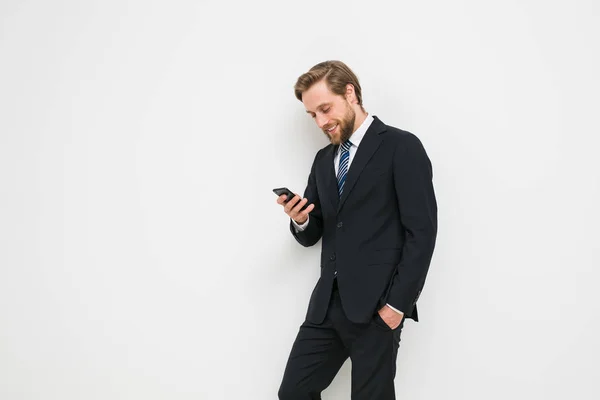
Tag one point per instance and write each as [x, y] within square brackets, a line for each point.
[332, 187]
[368, 145]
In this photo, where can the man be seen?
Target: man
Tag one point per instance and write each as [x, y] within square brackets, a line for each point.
[372, 201]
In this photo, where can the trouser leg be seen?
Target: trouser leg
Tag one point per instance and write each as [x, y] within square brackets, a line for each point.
[316, 357]
[373, 353]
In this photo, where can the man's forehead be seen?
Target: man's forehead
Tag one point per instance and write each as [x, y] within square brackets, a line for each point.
[317, 96]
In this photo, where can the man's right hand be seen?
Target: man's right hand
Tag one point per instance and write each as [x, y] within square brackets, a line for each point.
[292, 208]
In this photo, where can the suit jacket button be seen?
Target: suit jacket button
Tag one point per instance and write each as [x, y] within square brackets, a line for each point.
[332, 257]
[339, 225]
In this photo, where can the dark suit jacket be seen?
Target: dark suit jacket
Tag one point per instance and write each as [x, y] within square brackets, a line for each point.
[378, 238]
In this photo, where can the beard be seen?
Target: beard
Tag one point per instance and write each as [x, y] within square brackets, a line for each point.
[345, 126]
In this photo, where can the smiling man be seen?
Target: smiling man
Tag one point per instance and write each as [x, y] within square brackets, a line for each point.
[371, 201]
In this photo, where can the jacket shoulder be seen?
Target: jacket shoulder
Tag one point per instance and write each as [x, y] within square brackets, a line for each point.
[321, 153]
[401, 138]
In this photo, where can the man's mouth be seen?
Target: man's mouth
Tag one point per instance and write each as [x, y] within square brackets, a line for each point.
[330, 130]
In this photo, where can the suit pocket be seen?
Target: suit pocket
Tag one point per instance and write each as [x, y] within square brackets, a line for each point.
[380, 323]
[384, 256]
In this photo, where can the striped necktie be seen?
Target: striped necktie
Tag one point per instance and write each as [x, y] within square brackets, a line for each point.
[343, 169]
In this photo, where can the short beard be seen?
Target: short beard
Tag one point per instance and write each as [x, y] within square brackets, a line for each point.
[346, 126]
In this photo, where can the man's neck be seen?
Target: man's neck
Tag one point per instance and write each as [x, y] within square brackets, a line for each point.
[360, 118]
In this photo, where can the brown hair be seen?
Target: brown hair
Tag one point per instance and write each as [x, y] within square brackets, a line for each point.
[336, 74]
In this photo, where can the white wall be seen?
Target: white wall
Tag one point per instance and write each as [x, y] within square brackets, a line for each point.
[143, 254]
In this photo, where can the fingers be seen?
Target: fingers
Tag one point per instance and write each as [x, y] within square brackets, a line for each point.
[293, 207]
[281, 199]
[291, 203]
[303, 214]
[299, 205]
[297, 212]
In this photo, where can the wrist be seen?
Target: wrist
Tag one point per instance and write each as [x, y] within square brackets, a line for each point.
[301, 222]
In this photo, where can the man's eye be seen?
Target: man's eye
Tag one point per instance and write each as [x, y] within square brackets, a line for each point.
[327, 110]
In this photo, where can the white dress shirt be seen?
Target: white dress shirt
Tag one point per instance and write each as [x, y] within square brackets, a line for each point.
[355, 139]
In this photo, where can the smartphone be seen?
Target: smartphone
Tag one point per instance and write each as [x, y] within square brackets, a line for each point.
[289, 194]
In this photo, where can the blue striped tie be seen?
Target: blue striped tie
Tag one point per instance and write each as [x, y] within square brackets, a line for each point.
[343, 169]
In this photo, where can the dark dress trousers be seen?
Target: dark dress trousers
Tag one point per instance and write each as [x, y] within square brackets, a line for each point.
[377, 242]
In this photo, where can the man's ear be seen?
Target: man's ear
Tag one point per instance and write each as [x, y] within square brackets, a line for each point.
[350, 95]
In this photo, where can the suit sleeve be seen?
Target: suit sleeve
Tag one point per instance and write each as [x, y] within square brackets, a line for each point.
[413, 177]
[314, 230]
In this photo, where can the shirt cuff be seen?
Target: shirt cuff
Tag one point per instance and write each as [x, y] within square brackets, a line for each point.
[395, 309]
[300, 228]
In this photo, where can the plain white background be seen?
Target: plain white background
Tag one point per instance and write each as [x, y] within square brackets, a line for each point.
[143, 255]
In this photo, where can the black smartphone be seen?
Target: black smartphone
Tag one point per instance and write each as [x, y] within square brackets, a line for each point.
[289, 194]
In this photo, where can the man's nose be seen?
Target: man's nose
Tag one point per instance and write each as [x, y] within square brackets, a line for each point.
[321, 121]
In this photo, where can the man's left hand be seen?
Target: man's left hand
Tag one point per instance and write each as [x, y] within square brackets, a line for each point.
[391, 317]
